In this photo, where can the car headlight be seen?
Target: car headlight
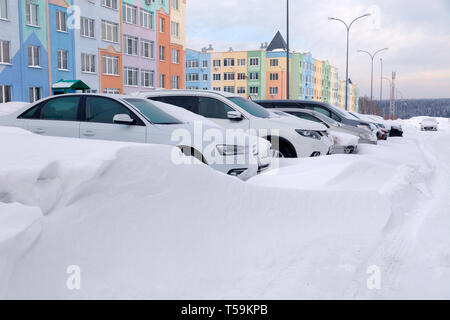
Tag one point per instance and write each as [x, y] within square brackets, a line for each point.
[231, 150]
[308, 134]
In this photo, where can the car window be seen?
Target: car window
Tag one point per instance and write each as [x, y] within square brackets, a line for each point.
[152, 113]
[213, 108]
[103, 110]
[305, 116]
[186, 102]
[61, 109]
[251, 107]
[335, 117]
[323, 111]
[32, 113]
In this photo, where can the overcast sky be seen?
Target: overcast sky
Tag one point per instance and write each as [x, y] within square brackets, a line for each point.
[417, 33]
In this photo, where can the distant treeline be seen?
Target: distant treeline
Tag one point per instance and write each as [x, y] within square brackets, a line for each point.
[408, 108]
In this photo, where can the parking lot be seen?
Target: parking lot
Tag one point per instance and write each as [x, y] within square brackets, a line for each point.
[139, 226]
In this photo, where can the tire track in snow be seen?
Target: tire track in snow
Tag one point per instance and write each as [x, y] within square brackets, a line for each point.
[401, 231]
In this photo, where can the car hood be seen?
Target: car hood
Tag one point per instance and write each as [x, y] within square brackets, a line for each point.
[296, 123]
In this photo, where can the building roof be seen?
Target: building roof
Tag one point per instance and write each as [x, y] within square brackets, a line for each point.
[278, 42]
[70, 84]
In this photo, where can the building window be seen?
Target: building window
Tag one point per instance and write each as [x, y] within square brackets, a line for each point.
[175, 82]
[162, 53]
[61, 21]
[5, 93]
[241, 62]
[175, 56]
[88, 63]
[241, 90]
[62, 60]
[147, 49]
[205, 64]
[110, 65]
[146, 19]
[241, 76]
[35, 94]
[228, 62]
[111, 91]
[110, 31]
[217, 76]
[4, 52]
[216, 89]
[87, 28]
[4, 9]
[254, 90]
[273, 77]
[112, 4]
[129, 14]
[254, 75]
[273, 91]
[192, 77]
[254, 61]
[175, 29]
[162, 25]
[216, 63]
[130, 76]
[274, 62]
[205, 77]
[130, 45]
[228, 89]
[228, 76]
[162, 80]
[147, 78]
[32, 11]
[34, 56]
[192, 64]
[175, 4]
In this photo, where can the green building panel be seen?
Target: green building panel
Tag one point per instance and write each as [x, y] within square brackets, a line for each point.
[260, 83]
[296, 76]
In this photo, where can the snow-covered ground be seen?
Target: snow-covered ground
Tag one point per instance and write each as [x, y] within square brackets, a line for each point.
[138, 226]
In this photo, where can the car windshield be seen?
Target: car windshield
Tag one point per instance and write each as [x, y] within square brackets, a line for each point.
[152, 113]
[251, 107]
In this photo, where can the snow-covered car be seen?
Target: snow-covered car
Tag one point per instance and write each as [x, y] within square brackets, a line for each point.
[291, 137]
[133, 119]
[382, 132]
[346, 138]
[429, 124]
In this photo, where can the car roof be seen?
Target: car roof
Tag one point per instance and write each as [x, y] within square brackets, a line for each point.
[199, 92]
[291, 101]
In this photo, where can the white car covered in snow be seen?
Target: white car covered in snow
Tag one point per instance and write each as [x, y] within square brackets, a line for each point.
[429, 124]
[133, 119]
[290, 136]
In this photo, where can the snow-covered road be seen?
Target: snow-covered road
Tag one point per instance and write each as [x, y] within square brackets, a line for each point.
[138, 226]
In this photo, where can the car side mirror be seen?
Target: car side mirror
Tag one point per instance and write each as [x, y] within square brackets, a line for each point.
[123, 119]
[234, 115]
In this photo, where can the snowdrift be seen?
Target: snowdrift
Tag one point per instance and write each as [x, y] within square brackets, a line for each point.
[139, 226]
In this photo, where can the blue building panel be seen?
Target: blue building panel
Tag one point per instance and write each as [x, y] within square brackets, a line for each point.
[198, 63]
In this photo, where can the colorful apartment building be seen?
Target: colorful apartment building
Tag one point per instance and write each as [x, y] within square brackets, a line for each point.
[262, 74]
[112, 46]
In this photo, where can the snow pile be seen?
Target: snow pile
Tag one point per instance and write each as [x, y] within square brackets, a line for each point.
[139, 226]
[10, 107]
[345, 139]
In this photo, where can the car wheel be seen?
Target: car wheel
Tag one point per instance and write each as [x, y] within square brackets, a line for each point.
[191, 152]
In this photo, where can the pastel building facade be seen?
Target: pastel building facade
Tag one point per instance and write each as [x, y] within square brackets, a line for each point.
[198, 70]
[113, 46]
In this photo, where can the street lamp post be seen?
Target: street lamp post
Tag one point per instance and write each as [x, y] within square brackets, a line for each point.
[381, 81]
[372, 56]
[287, 54]
[348, 26]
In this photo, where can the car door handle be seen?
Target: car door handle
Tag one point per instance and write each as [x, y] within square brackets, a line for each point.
[39, 131]
[88, 133]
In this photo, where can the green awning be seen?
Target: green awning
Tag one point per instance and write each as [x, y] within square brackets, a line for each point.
[70, 85]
